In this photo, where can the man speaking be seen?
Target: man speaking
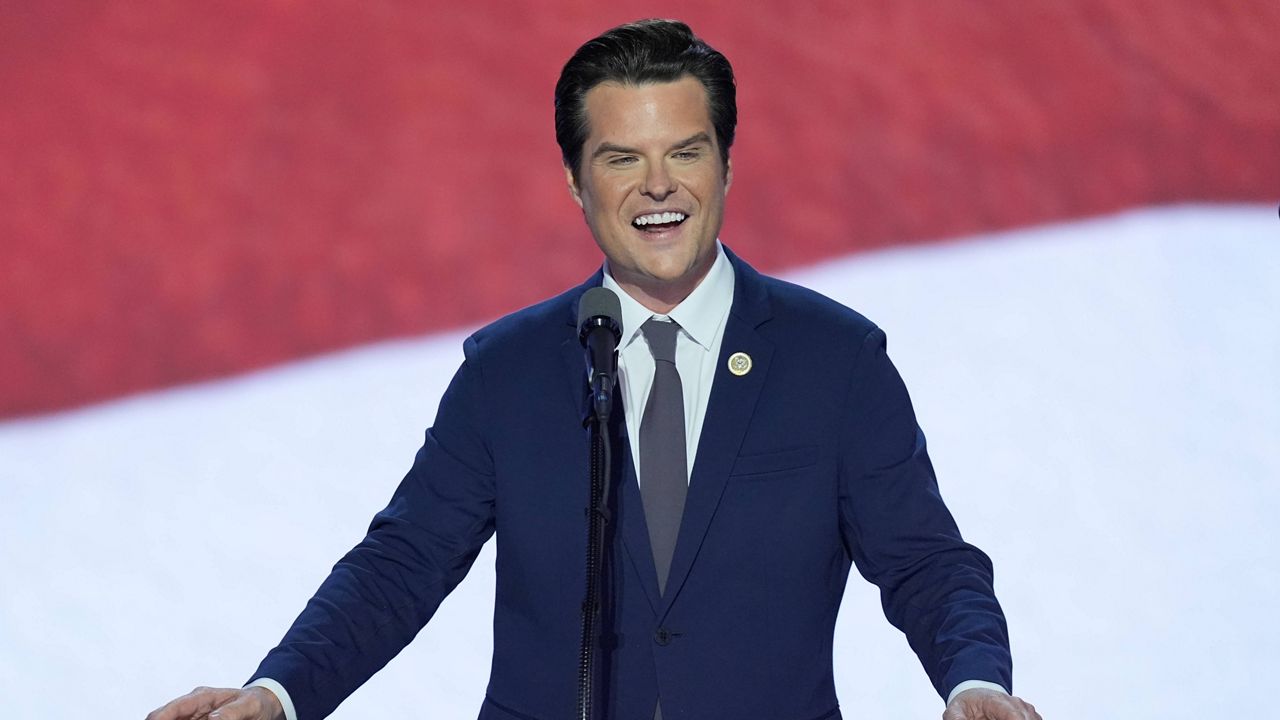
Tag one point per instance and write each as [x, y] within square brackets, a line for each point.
[765, 444]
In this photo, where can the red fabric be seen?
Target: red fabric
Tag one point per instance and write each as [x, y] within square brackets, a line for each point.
[190, 190]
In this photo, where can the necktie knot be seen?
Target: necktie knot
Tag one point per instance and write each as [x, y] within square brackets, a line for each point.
[661, 336]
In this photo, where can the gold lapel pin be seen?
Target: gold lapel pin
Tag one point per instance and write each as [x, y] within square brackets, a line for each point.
[739, 363]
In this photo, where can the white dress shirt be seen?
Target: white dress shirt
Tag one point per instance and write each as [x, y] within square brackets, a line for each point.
[702, 317]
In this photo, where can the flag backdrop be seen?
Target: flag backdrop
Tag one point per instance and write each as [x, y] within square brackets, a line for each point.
[240, 243]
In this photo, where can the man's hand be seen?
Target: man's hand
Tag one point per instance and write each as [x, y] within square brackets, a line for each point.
[982, 704]
[252, 703]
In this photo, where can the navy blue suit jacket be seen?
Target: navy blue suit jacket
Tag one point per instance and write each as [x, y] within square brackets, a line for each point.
[809, 463]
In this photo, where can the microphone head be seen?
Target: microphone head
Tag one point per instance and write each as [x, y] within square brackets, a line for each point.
[599, 307]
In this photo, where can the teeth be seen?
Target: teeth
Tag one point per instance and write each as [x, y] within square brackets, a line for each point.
[659, 218]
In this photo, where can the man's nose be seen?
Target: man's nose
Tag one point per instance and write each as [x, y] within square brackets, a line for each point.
[658, 182]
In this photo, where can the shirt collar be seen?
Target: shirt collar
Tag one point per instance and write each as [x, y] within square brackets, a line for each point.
[700, 314]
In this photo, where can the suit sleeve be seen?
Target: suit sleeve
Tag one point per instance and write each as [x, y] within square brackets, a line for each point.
[934, 587]
[382, 592]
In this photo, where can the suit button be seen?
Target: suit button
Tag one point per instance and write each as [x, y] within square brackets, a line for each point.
[662, 637]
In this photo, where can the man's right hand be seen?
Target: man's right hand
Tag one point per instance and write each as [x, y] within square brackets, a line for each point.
[253, 703]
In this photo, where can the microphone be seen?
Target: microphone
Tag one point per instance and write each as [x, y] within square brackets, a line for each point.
[599, 330]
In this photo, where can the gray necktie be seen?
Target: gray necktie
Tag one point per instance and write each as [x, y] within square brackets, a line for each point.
[664, 478]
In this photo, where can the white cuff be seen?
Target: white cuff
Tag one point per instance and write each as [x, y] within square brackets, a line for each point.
[281, 694]
[966, 685]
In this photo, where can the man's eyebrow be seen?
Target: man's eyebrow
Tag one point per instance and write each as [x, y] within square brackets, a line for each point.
[701, 137]
[608, 147]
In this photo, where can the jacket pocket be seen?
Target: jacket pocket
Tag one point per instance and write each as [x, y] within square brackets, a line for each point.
[779, 463]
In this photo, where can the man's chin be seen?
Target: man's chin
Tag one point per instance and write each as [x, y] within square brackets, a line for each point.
[672, 274]
[673, 284]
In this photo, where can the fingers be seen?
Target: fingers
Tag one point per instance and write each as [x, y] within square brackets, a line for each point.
[1023, 710]
[194, 705]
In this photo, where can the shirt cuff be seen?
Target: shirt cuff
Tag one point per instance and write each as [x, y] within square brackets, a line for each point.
[966, 685]
[281, 694]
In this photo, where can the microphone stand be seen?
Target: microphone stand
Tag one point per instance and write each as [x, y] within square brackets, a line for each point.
[598, 518]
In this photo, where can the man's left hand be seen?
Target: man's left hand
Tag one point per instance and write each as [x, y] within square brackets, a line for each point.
[983, 704]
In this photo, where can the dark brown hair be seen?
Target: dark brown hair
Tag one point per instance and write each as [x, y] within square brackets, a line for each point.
[641, 52]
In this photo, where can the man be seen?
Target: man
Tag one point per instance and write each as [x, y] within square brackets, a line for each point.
[767, 445]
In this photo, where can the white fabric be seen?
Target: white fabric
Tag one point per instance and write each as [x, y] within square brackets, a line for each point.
[281, 694]
[972, 684]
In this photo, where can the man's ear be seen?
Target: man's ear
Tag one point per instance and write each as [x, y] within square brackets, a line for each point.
[573, 185]
[728, 174]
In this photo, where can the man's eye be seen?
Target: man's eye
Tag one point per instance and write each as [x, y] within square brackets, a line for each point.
[622, 160]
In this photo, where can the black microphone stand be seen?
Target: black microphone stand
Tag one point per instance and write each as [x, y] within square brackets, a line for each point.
[598, 518]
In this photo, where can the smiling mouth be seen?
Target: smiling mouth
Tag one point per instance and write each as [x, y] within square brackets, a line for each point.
[658, 222]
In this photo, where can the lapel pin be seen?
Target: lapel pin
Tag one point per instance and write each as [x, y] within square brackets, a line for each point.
[739, 363]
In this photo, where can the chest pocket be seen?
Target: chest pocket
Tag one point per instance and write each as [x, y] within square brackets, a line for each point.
[780, 463]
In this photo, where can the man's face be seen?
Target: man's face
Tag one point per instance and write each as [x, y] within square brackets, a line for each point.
[652, 186]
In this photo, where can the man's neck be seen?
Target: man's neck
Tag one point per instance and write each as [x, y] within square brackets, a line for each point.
[659, 297]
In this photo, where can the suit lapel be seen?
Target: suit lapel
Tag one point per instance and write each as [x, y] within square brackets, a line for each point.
[729, 411]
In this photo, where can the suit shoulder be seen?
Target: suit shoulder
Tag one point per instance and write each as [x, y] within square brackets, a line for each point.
[796, 302]
[528, 328]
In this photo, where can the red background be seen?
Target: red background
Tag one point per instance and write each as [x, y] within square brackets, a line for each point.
[193, 189]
